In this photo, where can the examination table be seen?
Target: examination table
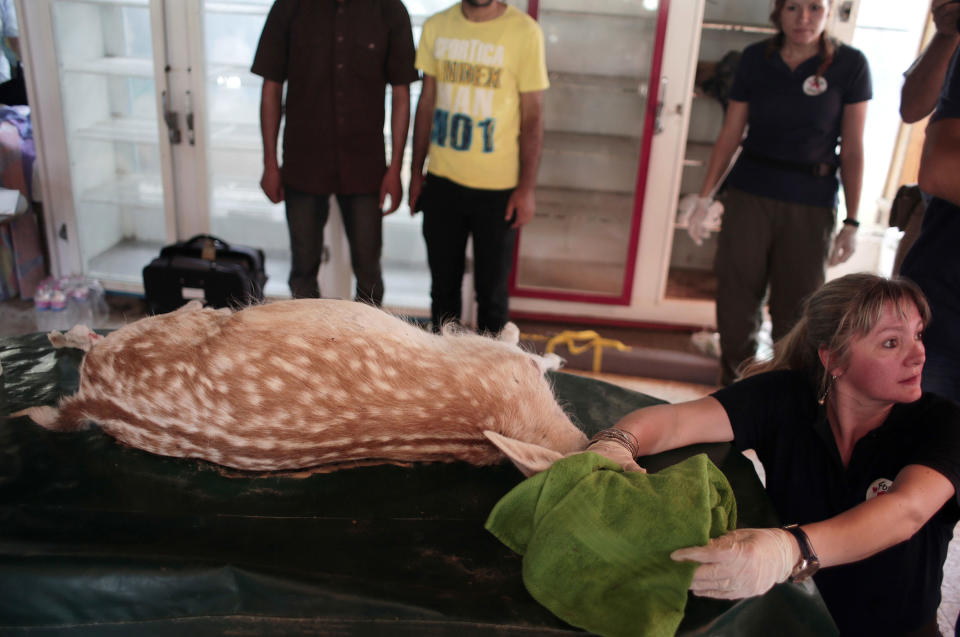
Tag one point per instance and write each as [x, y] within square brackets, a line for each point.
[100, 539]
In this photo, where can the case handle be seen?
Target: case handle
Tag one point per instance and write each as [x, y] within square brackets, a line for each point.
[211, 244]
[170, 117]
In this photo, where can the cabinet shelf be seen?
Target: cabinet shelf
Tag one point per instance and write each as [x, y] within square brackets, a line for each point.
[121, 129]
[145, 190]
[111, 3]
[562, 275]
[223, 136]
[217, 70]
[615, 83]
[699, 149]
[240, 137]
[599, 207]
[585, 144]
[140, 190]
[122, 66]
[741, 28]
[237, 8]
[597, 10]
[691, 284]
[589, 162]
[231, 196]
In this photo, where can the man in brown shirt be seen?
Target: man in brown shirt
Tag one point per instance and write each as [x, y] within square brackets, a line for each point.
[336, 57]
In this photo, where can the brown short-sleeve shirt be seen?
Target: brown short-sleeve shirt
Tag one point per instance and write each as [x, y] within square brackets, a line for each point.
[337, 58]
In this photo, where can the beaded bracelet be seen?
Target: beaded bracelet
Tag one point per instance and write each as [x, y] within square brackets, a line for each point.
[620, 436]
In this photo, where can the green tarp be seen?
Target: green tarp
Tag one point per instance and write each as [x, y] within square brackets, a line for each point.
[101, 539]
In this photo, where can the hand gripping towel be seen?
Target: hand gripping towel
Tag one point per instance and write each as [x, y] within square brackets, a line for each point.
[596, 541]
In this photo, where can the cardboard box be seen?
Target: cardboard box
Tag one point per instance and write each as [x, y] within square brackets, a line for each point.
[21, 255]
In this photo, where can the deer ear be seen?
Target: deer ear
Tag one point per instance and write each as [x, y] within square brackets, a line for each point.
[528, 457]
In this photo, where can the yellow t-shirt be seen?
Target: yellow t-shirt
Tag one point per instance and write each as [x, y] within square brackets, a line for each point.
[481, 68]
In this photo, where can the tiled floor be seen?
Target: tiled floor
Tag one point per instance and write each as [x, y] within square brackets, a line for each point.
[19, 317]
[672, 391]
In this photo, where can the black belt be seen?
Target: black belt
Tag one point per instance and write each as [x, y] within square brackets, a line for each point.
[812, 169]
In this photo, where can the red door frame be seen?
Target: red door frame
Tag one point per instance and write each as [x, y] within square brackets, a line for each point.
[533, 8]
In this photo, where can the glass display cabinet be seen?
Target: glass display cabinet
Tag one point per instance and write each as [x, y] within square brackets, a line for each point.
[631, 121]
[616, 115]
[105, 72]
[599, 115]
[147, 125]
[727, 28]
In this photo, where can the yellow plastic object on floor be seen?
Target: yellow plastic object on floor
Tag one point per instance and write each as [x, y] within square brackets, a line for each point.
[592, 338]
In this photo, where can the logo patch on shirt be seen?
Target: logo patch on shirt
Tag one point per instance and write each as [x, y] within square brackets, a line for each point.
[814, 85]
[880, 486]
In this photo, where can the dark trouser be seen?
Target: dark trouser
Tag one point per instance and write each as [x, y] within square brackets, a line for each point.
[930, 629]
[941, 339]
[764, 242]
[451, 213]
[362, 219]
[14, 90]
[940, 372]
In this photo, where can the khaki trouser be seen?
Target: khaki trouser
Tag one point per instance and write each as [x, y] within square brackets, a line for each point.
[765, 243]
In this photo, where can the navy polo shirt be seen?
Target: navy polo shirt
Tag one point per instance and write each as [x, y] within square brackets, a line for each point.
[896, 590]
[932, 261]
[787, 123]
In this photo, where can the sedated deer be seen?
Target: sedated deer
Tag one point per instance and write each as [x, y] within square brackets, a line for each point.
[310, 384]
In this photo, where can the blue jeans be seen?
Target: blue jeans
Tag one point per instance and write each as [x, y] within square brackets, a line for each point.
[363, 221]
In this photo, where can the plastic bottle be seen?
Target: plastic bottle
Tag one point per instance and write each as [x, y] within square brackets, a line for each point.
[61, 303]
[98, 304]
[80, 310]
[41, 305]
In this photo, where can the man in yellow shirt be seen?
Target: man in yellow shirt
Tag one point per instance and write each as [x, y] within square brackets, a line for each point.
[480, 120]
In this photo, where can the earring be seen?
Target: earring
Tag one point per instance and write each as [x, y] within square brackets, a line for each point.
[826, 390]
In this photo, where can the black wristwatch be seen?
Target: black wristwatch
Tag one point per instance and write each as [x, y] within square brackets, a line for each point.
[809, 563]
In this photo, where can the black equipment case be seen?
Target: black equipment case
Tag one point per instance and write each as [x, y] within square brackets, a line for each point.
[205, 268]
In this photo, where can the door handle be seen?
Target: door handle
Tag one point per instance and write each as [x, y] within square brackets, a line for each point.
[170, 117]
[846, 8]
[191, 136]
[661, 98]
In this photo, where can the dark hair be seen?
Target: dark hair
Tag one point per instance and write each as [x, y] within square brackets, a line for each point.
[828, 44]
[840, 311]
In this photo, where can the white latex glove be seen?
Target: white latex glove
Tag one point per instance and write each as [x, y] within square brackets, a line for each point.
[843, 245]
[700, 215]
[742, 563]
[616, 452]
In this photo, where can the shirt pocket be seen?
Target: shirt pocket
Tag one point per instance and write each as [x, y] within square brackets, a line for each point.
[370, 50]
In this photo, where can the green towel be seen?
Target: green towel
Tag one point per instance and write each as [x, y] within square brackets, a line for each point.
[596, 541]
